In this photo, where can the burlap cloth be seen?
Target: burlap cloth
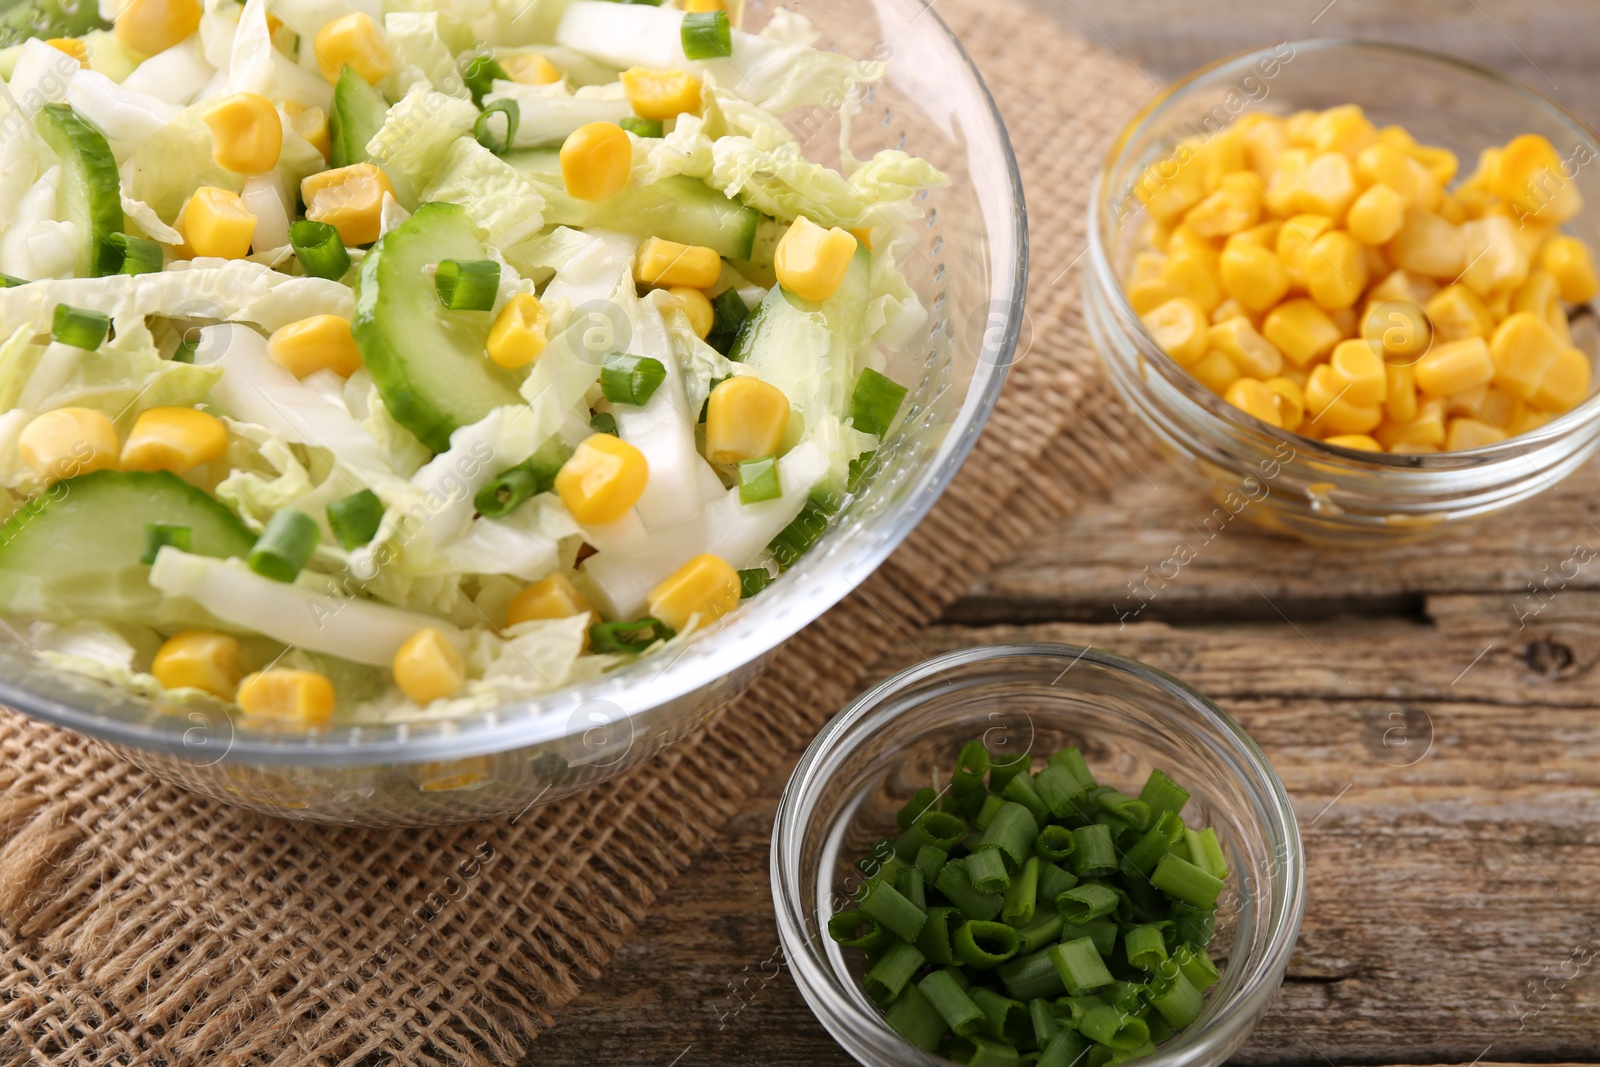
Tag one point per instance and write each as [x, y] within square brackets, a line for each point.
[142, 924]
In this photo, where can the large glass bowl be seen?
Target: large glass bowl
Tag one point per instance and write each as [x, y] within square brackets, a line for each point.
[969, 264]
[1127, 718]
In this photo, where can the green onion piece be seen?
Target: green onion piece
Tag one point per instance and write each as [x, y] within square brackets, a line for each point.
[1145, 853]
[1093, 854]
[641, 127]
[988, 810]
[1144, 946]
[184, 353]
[1112, 1027]
[1073, 761]
[1175, 997]
[874, 402]
[11, 281]
[513, 487]
[957, 887]
[1196, 966]
[892, 971]
[883, 902]
[887, 869]
[1091, 900]
[1129, 809]
[934, 941]
[1064, 1050]
[496, 128]
[1057, 788]
[634, 636]
[937, 828]
[355, 518]
[1183, 881]
[1042, 1017]
[922, 800]
[1054, 843]
[912, 886]
[1161, 793]
[854, 928]
[79, 328]
[479, 76]
[796, 539]
[981, 1051]
[930, 861]
[319, 249]
[629, 379]
[984, 945]
[758, 479]
[1031, 976]
[858, 470]
[972, 763]
[1042, 932]
[1053, 881]
[1160, 1029]
[950, 1000]
[987, 869]
[752, 580]
[728, 315]
[1210, 850]
[706, 35]
[1004, 767]
[467, 285]
[1080, 966]
[1103, 933]
[1007, 1019]
[1078, 1006]
[285, 546]
[604, 422]
[1022, 896]
[140, 255]
[1020, 790]
[158, 535]
[1012, 831]
[914, 1018]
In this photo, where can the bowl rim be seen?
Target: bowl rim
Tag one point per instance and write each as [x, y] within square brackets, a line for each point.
[741, 640]
[1216, 410]
[827, 749]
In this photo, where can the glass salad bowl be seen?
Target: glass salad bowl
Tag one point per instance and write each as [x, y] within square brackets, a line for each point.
[968, 268]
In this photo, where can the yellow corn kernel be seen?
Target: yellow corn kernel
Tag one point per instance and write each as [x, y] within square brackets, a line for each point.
[1359, 372]
[1403, 285]
[322, 342]
[746, 418]
[1496, 261]
[697, 307]
[549, 598]
[1294, 243]
[1215, 371]
[1398, 136]
[354, 41]
[151, 26]
[1467, 401]
[1328, 400]
[1426, 429]
[1440, 162]
[1344, 129]
[350, 199]
[311, 124]
[216, 223]
[428, 667]
[1541, 294]
[1532, 178]
[1168, 188]
[1428, 244]
[1232, 309]
[282, 697]
[1452, 210]
[1565, 384]
[667, 263]
[1301, 330]
[1283, 187]
[1463, 433]
[706, 588]
[1189, 273]
[1289, 399]
[1298, 127]
[1185, 238]
[520, 332]
[67, 442]
[1250, 352]
[198, 659]
[1328, 186]
[1335, 270]
[810, 261]
[1264, 140]
[72, 46]
[703, 5]
[602, 480]
[1458, 313]
[1376, 215]
[1400, 391]
[1501, 410]
[596, 160]
[173, 439]
[530, 68]
[246, 133]
[1152, 234]
[1360, 442]
[1146, 267]
[1569, 260]
[1524, 348]
[1235, 206]
[661, 94]
[1253, 275]
[1251, 396]
[1145, 297]
[1531, 420]
[1264, 234]
[1179, 326]
[1390, 165]
[1455, 366]
[1397, 328]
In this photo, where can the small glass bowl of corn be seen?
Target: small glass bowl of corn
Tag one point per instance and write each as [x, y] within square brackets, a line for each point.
[1350, 284]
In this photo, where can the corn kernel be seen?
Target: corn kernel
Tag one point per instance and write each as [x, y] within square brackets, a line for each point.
[1216, 372]
[311, 124]
[354, 41]
[1344, 129]
[1531, 420]
[1299, 127]
[1332, 409]
[596, 160]
[428, 667]
[1188, 273]
[67, 442]
[72, 46]
[1179, 326]
[1400, 391]
[696, 307]
[1301, 330]
[520, 332]
[216, 223]
[1264, 141]
[1264, 234]
[1145, 297]
[1289, 399]
[246, 133]
[1335, 270]
[704, 5]
[322, 342]
[746, 418]
[1328, 186]
[1496, 260]
[1283, 187]
[1453, 210]
[1250, 352]
[1359, 442]
[1426, 429]
[1253, 275]
[1569, 260]
[1427, 244]
[173, 439]
[350, 199]
[1232, 309]
[1463, 433]
[1501, 410]
[1467, 401]
[1235, 206]
[1390, 166]
[1440, 162]
[1359, 372]
[667, 263]
[549, 598]
[530, 68]
[1168, 188]
[1251, 396]
[1524, 348]
[151, 26]
[1531, 177]
[1397, 328]
[810, 261]
[661, 94]
[1376, 215]
[282, 697]
[1403, 285]
[198, 659]
[1294, 243]
[1457, 313]
[1146, 267]
[706, 588]
[1541, 294]
[602, 480]
[1185, 238]
[1455, 366]
[1565, 384]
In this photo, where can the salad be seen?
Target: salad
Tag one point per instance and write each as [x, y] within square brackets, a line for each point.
[368, 361]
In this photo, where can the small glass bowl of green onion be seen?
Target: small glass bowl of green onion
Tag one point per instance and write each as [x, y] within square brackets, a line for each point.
[963, 745]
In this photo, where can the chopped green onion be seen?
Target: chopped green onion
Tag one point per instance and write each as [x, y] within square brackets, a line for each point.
[911, 885]
[950, 1000]
[285, 546]
[934, 940]
[892, 971]
[1144, 946]
[513, 487]
[984, 945]
[79, 328]
[1142, 858]
[972, 763]
[1058, 789]
[1022, 896]
[752, 580]
[940, 829]
[957, 887]
[641, 127]
[467, 285]
[758, 480]
[1013, 831]
[158, 535]
[1196, 966]
[355, 519]
[496, 128]
[479, 76]
[921, 801]
[987, 811]
[1007, 1018]
[884, 902]
[184, 353]
[1183, 881]
[875, 402]
[979, 1051]
[629, 379]
[930, 861]
[1044, 931]
[1054, 843]
[633, 636]
[1053, 881]
[11, 281]
[139, 255]
[728, 315]
[1073, 761]
[1030, 976]
[706, 35]
[1132, 811]
[858, 470]
[1042, 1017]
[987, 869]
[1113, 1027]
[914, 1018]
[319, 249]
[1064, 1050]
[1161, 793]
[796, 539]
[1093, 854]
[1091, 900]
[1174, 996]
[1080, 966]
[1103, 932]
[856, 929]
[1021, 790]
[1210, 850]
[604, 422]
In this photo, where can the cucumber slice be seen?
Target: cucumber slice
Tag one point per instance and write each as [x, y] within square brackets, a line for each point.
[679, 208]
[357, 113]
[73, 553]
[430, 365]
[90, 189]
[48, 18]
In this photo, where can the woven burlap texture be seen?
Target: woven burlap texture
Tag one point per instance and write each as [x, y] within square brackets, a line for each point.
[142, 924]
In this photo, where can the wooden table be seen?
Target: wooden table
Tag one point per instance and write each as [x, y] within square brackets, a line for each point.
[1433, 710]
